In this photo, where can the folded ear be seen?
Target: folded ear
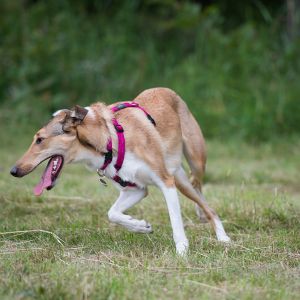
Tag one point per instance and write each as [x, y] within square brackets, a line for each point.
[79, 113]
[60, 112]
[74, 117]
[61, 115]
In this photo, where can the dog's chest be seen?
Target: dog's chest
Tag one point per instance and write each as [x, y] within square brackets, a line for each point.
[133, 170]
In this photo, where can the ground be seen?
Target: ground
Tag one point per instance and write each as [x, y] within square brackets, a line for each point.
[61, 245]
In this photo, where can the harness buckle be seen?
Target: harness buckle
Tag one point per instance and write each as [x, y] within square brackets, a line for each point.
[121, 106]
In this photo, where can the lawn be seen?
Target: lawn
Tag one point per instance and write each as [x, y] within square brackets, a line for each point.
[61, 245]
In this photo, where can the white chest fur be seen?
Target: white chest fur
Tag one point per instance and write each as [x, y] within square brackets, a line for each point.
[133, 169]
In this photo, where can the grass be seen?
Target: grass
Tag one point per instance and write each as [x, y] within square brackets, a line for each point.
[242, 81]
[255, 189]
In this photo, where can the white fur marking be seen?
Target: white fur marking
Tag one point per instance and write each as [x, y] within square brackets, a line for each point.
[126, 200]
[179, 236]
[133, 170]
[220, 232]
[57, 112]
[91, 113]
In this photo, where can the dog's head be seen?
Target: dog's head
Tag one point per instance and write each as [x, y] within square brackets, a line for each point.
[56, 141]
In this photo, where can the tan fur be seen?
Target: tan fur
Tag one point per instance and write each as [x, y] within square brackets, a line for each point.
[177, 132]
[175, 128]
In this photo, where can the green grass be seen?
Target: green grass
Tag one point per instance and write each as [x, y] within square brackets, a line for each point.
[254, 189]
[242, 82]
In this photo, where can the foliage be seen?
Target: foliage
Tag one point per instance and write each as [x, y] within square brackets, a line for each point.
[238, 74]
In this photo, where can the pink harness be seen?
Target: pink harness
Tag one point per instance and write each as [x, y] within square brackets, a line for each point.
[121, 145]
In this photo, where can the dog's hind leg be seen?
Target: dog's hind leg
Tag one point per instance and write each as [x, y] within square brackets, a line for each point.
[193, 149]
[186, 188]
[127, 199]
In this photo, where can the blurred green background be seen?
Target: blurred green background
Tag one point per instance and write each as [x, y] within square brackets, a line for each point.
[236, 63]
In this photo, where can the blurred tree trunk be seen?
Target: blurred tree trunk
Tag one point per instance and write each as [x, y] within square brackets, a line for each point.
[292, 18]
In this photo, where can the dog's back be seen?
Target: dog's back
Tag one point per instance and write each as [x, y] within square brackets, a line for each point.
[173, 117]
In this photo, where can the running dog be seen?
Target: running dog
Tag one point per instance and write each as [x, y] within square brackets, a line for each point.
[134, 144]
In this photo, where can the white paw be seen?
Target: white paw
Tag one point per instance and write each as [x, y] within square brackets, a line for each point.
[220, 232]
[140, 226]
[182, 248]
[224, 239]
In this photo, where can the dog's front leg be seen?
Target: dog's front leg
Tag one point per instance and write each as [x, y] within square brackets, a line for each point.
[127, 199]
[181, 242]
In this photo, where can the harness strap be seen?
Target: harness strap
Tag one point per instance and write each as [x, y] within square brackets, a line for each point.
[121, 143]
[108, 155]
[133, 104]
[122, 182]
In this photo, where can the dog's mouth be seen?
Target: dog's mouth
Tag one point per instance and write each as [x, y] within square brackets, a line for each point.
[50, 174]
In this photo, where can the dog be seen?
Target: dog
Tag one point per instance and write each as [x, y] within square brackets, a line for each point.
[133, 144]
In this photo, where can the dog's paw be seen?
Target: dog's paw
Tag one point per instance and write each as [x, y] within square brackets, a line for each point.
[220, 232]
[182, 248]
[140, 226]
[224, 239]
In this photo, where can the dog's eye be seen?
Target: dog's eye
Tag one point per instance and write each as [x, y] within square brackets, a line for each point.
[39, 140]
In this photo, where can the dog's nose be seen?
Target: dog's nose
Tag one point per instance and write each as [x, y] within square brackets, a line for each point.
[14, 171]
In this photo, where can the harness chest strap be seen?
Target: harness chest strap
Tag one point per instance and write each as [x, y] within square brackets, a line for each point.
[121, 144]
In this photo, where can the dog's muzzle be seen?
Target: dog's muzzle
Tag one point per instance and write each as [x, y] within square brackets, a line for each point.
[15, 171]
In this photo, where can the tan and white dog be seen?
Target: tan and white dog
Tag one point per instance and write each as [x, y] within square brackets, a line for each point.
[153, 156]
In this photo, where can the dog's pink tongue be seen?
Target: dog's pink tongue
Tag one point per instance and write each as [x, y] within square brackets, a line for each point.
[46, 180]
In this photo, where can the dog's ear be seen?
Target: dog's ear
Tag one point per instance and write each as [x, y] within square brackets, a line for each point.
[61, 115]
[74, 117]
[60, 112]
[79, 113]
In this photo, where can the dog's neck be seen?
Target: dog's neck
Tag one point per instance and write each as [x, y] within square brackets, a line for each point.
[93, 135]
[91, 158]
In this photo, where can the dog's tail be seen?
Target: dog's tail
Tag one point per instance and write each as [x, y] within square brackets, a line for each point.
[193, 143]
